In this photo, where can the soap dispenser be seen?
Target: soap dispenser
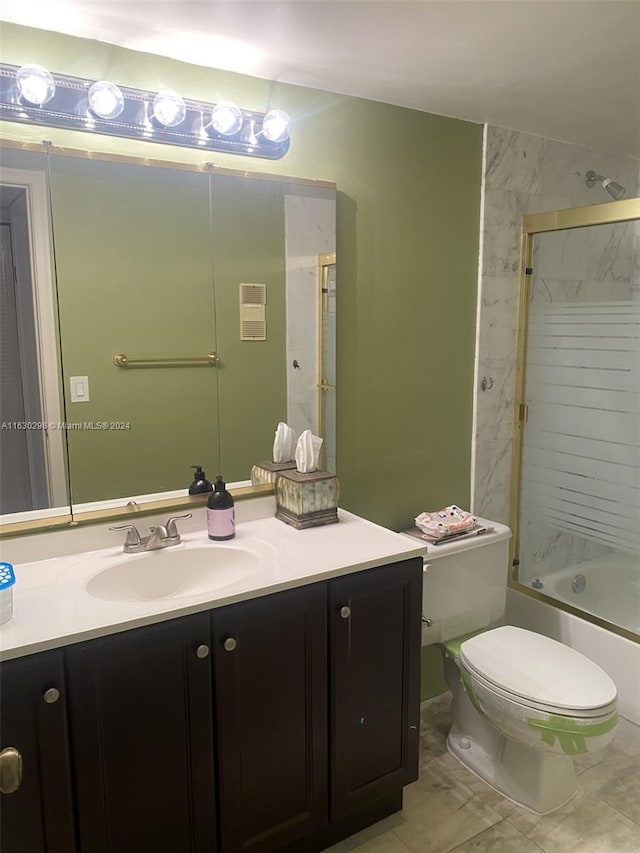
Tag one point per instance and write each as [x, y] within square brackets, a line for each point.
[200, 485]
[221, 514]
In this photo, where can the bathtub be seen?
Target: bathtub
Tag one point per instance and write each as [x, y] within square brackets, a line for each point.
[614, 587]
[607, 587]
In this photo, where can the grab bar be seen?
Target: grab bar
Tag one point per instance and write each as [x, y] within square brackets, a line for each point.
[209, 360]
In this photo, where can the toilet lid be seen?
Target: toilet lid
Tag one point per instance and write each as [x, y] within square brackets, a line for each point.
[538, 669]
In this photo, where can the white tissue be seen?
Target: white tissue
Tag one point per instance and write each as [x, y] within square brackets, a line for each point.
[307, 452]
[284, 445]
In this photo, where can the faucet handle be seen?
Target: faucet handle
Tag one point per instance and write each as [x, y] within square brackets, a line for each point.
[158, 533]
[172, 530]
[133, 537]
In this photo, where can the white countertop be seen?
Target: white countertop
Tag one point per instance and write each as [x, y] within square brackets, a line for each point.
[52, 607]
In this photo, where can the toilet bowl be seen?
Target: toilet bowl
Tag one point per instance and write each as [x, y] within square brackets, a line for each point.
[524, 705]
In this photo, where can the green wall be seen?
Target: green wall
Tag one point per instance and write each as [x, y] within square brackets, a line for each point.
[407, 243]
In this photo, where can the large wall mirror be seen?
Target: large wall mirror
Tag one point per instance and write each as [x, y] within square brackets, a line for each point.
[210, 283]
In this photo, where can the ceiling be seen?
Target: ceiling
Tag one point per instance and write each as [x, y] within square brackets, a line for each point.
[566, 69]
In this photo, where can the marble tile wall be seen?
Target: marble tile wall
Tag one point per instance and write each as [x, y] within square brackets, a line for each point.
[310, 231]
[530, 174]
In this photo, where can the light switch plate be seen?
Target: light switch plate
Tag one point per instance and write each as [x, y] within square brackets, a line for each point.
[79, 389]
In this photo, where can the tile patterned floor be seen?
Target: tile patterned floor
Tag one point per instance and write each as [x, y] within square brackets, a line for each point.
[449, 809]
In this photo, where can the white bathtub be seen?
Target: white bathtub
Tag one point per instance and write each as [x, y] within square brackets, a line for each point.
[608, 587]
[619, 657]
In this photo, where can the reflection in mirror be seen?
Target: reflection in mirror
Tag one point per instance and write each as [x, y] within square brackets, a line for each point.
[135, 276]
[327, 384]
[154, 263]
[32, 446]
[267, 234]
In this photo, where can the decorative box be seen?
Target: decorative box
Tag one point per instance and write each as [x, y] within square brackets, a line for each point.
[307, 500]
[266, 472]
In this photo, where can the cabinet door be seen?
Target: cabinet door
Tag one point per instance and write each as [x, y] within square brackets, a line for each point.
[271, 710]
[141, 713]
[38, 816]
[374, 629]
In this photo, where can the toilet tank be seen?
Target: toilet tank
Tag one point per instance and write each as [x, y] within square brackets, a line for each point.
[465, 584]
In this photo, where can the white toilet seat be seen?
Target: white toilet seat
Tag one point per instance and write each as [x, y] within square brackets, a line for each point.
[537, 672]
[593, 715]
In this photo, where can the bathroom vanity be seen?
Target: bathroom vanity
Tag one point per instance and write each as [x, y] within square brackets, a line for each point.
[277, 712]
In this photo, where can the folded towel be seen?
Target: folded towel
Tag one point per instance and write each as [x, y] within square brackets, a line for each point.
[445, 522]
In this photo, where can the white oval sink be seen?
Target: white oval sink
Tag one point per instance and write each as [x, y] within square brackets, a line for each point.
[173, 573]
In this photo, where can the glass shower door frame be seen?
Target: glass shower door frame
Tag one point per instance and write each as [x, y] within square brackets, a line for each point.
[327, 357]
[534, 224]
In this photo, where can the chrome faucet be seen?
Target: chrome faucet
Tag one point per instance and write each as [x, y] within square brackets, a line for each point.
[161, 536]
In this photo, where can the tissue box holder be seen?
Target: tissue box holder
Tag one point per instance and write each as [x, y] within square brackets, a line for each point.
[307, 500]
[266, 472]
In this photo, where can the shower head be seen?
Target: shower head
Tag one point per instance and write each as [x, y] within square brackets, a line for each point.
[615, 190]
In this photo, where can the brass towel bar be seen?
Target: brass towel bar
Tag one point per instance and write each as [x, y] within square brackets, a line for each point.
[209, 360]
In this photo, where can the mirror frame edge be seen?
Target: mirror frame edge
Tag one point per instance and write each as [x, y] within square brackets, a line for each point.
[97, 516]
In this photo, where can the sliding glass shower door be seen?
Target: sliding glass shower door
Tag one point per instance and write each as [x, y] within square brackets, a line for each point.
[579, 486]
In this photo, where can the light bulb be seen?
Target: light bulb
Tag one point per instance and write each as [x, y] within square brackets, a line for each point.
[169, 108]
[226, 118]
[105, 99]
[276, 126]
[35, 84]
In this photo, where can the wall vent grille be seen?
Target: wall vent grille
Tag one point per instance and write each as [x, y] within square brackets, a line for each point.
[253, 321]
[253, 294]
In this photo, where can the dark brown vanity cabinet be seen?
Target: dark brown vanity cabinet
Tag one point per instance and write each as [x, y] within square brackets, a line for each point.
[285, 722]
[140, 709]
[37, 816]
[270, 673]
[374, 633]
[317, 708]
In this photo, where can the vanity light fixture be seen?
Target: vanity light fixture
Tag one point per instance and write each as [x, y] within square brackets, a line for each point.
[35, 84]
[31, 94]
[276, 126]
[105, 100]
[226, 118]
[169, 109]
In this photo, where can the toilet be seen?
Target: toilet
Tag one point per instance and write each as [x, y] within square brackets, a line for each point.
[524, 705]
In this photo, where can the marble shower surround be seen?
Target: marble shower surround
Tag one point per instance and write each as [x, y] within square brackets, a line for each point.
[524, 174]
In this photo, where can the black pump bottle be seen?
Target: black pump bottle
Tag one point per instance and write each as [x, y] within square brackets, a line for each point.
[221, 514]
[200, 485]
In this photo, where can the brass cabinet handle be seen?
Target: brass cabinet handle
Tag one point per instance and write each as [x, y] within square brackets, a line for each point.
[229, 644]
[10, 770]
[51, 695]
[345, 612]
[202, 651]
